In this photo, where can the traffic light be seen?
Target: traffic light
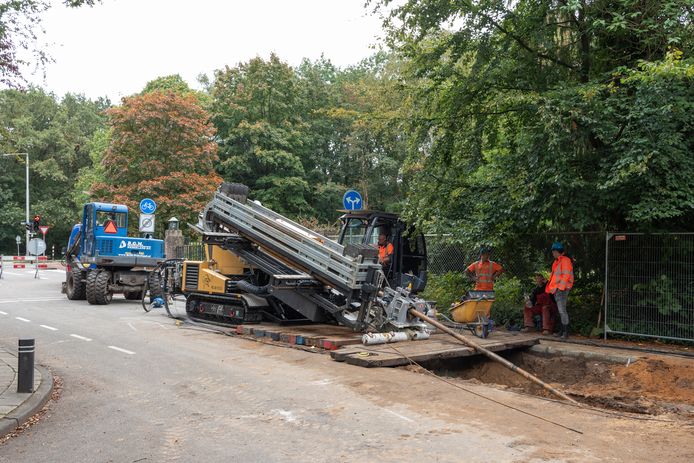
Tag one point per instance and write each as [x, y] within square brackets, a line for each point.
[37, 223]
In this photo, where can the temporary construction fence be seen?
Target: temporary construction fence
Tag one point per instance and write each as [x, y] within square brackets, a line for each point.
[649, 285]
[524, 255]
[21, 262]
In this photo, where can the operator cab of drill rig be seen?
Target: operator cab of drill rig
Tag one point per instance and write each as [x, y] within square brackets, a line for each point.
[408, 264]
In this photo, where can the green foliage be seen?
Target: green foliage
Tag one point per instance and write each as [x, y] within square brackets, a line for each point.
[663, 295]
[175, 83]
[535, 116]
[295, 135]
[509, 301]
[446, 289]
[56, 134]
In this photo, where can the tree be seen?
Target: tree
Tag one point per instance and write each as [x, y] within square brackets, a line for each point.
[534, 116]
[56, 134]
[162, 147]
[19, 22]
[260, 132]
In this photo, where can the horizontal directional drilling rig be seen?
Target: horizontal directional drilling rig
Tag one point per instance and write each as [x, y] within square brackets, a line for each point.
[259, 263]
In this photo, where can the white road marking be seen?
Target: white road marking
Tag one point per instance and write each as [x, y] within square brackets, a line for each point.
[3, 313]
[49, 327]
[399, 415]
[132, 327]
[23, 319]
[125, 351]
[80, 337]
[46, 299]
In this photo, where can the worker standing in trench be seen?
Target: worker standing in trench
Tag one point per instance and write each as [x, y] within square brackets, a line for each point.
[560, 283]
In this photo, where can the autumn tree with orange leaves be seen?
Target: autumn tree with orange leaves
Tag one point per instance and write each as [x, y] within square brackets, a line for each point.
[161, 147]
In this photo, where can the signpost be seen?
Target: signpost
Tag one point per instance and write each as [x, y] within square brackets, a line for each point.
[18, 239]
[148, 206]
[352, 201]
[36, 246]
[146, 223]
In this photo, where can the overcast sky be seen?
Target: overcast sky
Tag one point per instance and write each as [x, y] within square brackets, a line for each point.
[114, 48]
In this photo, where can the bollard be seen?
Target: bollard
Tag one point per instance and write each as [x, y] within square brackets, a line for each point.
[25, 361]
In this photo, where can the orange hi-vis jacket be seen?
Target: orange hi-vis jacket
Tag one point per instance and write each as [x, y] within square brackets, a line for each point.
[562, 275]
[485, 274]
[384, 251]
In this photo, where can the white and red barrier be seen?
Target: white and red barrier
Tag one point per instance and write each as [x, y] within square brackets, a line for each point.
[21, 262]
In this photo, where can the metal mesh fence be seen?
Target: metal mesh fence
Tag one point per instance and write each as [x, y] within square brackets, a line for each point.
[192, 251]
[649, 285]
[525, 255]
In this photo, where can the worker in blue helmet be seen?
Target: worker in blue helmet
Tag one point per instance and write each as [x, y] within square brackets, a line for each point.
[560, 283]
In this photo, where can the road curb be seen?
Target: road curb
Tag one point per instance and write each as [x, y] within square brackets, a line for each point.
[31, 406]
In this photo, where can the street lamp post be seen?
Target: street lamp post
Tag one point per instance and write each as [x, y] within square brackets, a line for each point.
[26, 204]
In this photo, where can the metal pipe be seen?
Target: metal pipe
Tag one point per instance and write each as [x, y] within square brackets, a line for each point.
[393, 336]
[25, 366]
[492, 355]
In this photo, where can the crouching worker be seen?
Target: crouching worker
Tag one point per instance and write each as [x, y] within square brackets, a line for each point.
[540, 303]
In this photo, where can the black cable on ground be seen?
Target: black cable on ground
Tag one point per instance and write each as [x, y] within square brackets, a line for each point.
[580, 406]
[483, 396]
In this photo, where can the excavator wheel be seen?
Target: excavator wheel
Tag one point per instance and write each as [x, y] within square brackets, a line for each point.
[76, 288]
[236, 191]
[97, 287]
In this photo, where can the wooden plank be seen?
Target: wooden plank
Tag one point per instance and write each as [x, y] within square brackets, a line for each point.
[435, 348]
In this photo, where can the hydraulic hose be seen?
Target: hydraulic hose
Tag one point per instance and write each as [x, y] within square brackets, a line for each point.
[248, 287]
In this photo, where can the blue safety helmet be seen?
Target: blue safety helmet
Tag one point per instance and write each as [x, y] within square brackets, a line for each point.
[485, 249]
[557, 246]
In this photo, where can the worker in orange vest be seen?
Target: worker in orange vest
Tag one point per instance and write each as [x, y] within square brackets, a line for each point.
[385, 250]
[560, 283]
[484, 271]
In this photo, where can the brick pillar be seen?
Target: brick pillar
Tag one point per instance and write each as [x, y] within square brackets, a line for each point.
[172, 240]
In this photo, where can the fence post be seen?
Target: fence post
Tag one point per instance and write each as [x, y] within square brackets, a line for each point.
[608, 235]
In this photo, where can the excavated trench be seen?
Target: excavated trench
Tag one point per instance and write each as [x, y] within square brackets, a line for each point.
[652, 385]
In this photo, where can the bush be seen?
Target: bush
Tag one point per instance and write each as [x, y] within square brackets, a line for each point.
[508, 305]
[448, 287]
[445, 289]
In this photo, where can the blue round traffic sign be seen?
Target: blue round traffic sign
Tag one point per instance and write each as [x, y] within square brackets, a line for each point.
[148, 206]
[352, 201]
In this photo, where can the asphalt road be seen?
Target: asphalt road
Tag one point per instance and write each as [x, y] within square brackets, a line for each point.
[139, 388]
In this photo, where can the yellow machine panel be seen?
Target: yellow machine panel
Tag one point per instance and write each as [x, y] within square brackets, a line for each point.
[210, 276]
[223, 261]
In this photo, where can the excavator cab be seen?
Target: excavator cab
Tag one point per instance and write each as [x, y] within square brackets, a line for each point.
[408, 264]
